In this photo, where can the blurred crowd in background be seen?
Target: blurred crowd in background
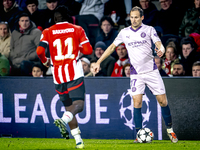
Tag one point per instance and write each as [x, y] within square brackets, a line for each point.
[177, 23]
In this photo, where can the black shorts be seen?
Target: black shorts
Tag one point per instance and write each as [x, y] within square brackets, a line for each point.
[71, 91]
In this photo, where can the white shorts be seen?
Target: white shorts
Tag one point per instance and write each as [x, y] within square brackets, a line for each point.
[152, 79]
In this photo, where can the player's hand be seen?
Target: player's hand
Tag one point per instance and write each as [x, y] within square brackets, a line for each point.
[159, 52]
[47, 64]
[96, 68]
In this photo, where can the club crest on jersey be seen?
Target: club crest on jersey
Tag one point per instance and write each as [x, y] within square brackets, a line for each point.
[143, 34]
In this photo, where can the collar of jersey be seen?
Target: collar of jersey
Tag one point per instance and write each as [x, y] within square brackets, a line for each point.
[62, 22]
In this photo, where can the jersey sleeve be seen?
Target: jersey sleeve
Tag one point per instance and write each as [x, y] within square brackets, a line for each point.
[119, 39]
[42, 46]
[83, 38]
[84, 42]
[154, 36]
[44, 36]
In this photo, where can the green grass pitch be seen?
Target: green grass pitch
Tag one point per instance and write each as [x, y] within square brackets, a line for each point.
[93, 144]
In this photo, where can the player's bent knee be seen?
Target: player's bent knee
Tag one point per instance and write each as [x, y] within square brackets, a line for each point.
[79, 105]
[163, 104]
[162, 100]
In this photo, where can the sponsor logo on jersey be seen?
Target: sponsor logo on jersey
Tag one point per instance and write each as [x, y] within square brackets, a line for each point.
[137, 43]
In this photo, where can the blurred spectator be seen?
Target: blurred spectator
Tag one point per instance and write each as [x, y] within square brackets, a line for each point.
[150, 11]
[48, 13]
[4, 39]
[21, 3]
[196, 69]
[73, 6]
[190, 21]
[126, 70]
[188, 55]
[184, 4]
[129, 4]
[178, 70]
[159, 62]
[4, 66]
[196, 38]
[92, 73]
[169, 17]
[34, 13]
[175, 40]
[108, 64]
[128, 7]
[123, 59]
[107, 33]
[37, 70]
[170, 37]
[170, 58]
[24, 41]
[1, 7]
[10, 13]
[86, 65]
[117, 11]
[89, 16]
[159, 31]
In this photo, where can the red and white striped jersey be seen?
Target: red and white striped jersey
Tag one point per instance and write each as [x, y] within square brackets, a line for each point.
[64, 40]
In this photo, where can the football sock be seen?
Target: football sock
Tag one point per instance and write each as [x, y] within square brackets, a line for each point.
[167, 116]
[169, 130]
[76, 134]
[138, 119]
[67, 117]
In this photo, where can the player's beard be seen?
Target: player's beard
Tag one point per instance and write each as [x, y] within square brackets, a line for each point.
[179, 74]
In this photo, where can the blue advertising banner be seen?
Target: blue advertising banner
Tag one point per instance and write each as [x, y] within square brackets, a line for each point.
[28, 107]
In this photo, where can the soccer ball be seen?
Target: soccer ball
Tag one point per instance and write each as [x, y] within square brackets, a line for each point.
[145, 135]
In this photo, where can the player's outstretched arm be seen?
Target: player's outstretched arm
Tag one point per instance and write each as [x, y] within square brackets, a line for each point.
[108, 51]
[160, 50]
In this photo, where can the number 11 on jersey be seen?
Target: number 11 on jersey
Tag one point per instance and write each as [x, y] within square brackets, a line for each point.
[60, 56]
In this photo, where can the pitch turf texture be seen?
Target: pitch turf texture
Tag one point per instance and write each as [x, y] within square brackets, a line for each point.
[93, 144]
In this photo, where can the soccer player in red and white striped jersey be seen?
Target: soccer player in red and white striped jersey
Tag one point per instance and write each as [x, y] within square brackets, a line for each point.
[66, 41]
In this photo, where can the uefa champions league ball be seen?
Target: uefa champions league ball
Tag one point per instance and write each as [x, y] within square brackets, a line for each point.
[145, 135]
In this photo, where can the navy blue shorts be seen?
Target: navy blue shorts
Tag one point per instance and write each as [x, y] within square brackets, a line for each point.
[71, 91]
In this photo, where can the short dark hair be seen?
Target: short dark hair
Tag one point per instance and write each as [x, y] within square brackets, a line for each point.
[31, 2]
[136, 8]
[188, 40]
[50, 1]
[65, 14]
[24, 15]
[38, 66]
[179, 64]
[107, 18]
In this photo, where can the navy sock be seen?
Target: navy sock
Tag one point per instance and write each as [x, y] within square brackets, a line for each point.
[138, 119]
[167, 116]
